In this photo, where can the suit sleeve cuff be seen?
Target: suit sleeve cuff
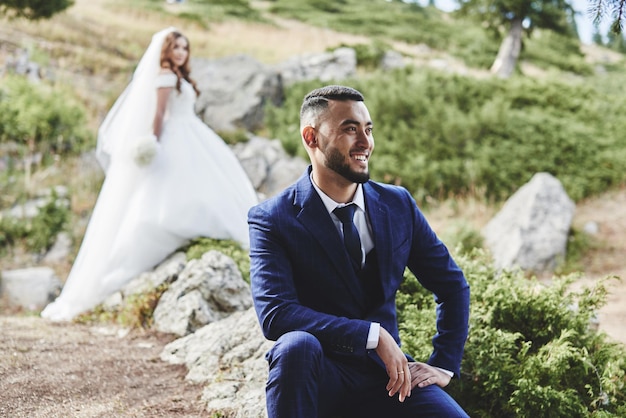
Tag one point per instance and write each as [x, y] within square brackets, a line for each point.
[372, 337]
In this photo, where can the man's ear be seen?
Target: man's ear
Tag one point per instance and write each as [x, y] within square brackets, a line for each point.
[309, 136]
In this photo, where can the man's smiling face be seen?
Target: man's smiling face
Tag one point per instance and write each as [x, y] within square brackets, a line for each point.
[345, 140]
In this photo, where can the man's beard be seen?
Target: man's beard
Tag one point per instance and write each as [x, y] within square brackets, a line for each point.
[336, 162]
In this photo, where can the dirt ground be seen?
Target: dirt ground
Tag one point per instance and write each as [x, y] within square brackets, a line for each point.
[607, 256]
[74, 370]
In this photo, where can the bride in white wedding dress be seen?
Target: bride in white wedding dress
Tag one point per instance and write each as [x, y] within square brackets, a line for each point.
[156, 195]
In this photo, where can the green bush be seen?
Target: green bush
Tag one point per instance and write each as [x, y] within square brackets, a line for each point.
[463, 237]
[51, 219]
[531, 351]
[443, 135]
[197, 247]
[234, 137]
[579, 244]
[40, 118]
[12, 231]
[36, 234]
[549, 49]
[368, 56]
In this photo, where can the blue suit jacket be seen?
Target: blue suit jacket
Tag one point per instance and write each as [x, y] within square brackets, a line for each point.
[302, 278]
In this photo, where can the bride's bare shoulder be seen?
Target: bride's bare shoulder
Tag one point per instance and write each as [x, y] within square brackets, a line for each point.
[166, 71]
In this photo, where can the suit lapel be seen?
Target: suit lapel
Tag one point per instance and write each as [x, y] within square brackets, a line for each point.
[316, 219]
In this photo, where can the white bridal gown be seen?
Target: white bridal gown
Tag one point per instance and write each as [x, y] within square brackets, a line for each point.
[193, 187]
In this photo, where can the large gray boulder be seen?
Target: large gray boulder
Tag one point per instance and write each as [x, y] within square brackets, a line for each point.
[327, 66]
[268, 166]
[234, 91]
[30, 288]
[207, 290]
[531, 229]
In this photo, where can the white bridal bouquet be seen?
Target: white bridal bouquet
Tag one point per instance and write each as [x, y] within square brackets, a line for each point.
[145, 150]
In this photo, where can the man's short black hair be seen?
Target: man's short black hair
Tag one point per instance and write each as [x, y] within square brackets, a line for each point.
[317, 100]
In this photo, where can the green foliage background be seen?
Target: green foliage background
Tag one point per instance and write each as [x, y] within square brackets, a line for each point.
[38, 233]
[40, 117]
[33, 9]
[443, 135]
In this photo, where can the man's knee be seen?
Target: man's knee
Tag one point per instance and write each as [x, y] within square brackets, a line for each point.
[295, 348]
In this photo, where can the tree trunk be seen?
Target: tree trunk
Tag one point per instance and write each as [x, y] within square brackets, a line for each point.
[509, 51]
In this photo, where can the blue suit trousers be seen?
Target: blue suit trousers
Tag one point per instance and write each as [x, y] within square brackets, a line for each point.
[304, 382]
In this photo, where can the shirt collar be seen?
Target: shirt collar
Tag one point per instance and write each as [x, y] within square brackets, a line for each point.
[331, 205]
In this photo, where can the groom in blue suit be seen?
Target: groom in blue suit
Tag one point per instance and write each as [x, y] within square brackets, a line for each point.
[324, 282]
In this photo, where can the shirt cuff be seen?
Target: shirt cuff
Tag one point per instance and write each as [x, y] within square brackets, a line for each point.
[448, 372]
[372, 337]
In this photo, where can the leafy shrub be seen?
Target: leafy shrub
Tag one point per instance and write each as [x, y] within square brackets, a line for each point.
[549, 49]
[37, 234]
[11, 232]
[531, 351]
[51, 219]
[41, 118]
[369, 55]
[463, 237]
[442, 135]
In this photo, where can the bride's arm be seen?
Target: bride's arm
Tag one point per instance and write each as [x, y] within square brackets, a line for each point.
[163, 94]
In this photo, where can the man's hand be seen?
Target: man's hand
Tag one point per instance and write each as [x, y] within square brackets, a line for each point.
[396, 364]
[423, 375]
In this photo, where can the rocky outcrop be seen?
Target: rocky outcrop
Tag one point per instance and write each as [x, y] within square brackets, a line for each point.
[267, 164]
[207, 290]
[235, 90]
[327, 66]
[208, 304]
[226, 356]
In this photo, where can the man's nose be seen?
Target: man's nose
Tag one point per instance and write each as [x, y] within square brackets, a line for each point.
[363, 138]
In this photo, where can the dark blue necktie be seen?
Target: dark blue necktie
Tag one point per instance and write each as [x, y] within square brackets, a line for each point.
[350, 233]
